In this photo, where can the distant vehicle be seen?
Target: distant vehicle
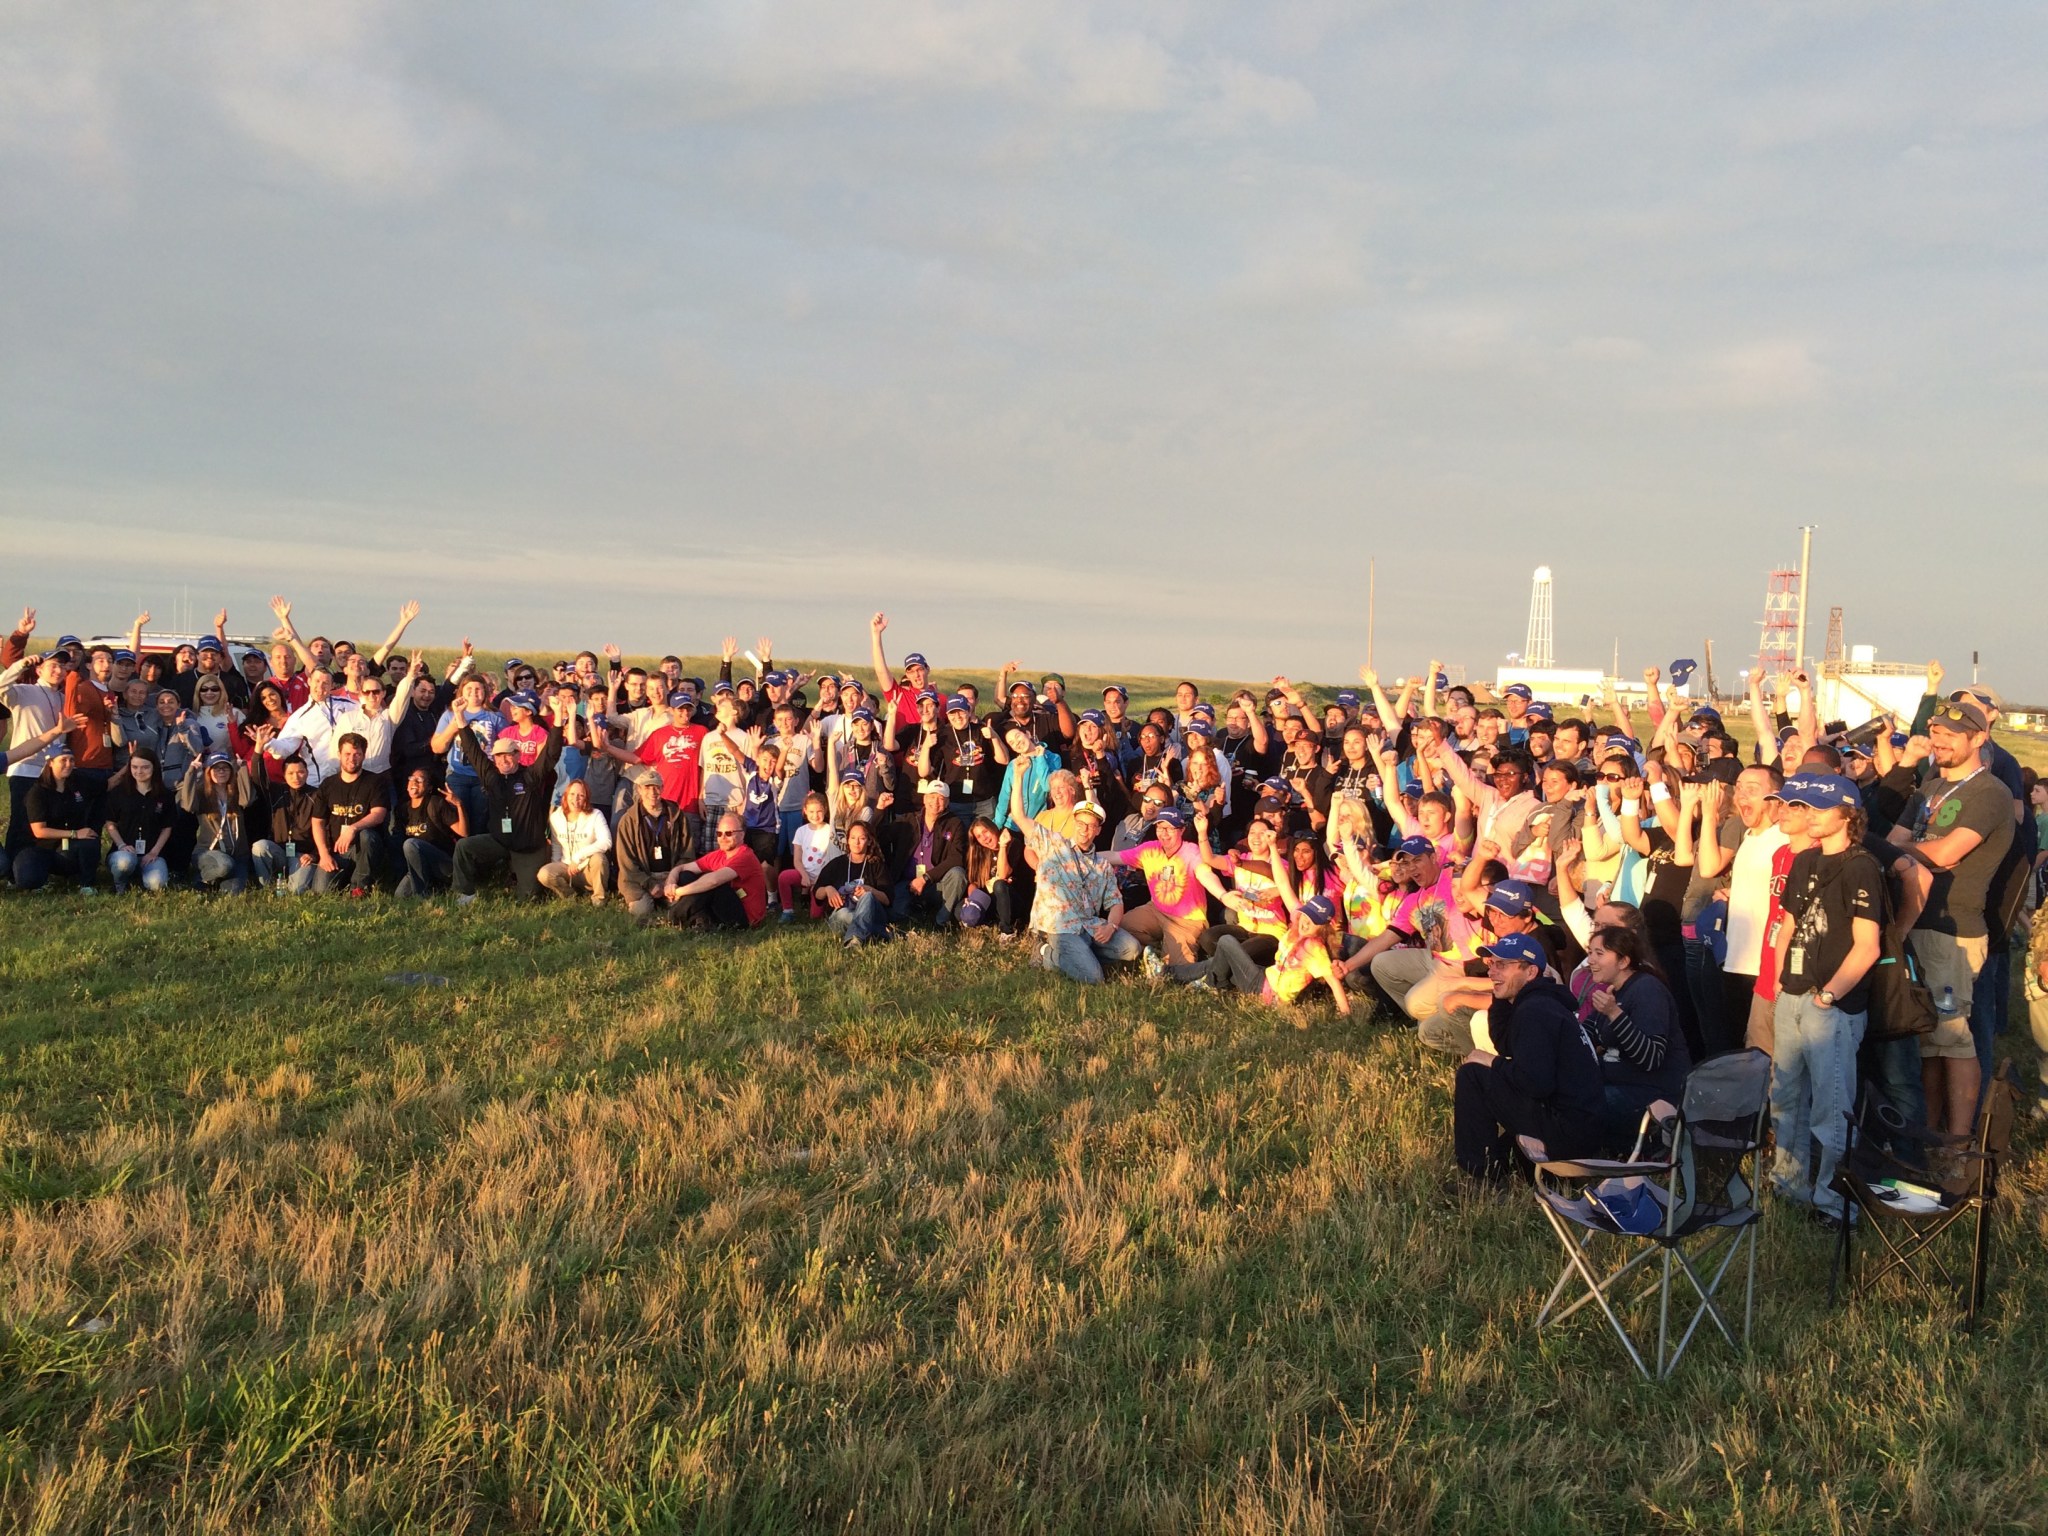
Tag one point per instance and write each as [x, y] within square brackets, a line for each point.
[167, 645]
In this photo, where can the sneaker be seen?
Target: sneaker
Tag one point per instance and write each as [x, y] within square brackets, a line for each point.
[1044, 956]
[462, 900]
[1201, 984]
[787, 917]
[88, 890]
[1153, 966]
[358, 892]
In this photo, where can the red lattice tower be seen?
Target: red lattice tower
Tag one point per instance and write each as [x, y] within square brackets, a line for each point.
[1779, 649]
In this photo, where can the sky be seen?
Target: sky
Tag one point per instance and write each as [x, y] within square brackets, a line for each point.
[1118, 337]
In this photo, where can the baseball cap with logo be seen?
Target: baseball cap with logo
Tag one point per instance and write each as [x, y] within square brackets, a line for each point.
[1511, 898]
[1415, 847]
[1319, 910]
[1516, 946]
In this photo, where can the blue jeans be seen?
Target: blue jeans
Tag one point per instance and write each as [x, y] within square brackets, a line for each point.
[1813, 1084]
[125, 864]
[475, 807]
[866, 920]
[40, 859]
[1893, 1069]
[427, 868]
[1990, 1002]
[361, 867]
[270, 860]
[1079, 955]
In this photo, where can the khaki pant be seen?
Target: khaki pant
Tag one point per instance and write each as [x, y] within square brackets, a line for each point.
[1416, 980]
[1949, 963]
[1175, 937]
[567, 879]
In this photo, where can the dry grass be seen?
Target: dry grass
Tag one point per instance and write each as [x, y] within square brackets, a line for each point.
[621, 1231]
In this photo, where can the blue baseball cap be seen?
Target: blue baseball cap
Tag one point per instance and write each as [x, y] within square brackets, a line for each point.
[1899, 740]
[124, 654]
[916, 659]
[863, 713]
[1707, 712]
[681, 697]
[1516, 946]
[1682, 669]
[1093, 716]
[1415, 846]
[71, 640]
[852, 776]
[722, 686]
[1319, 910]
[1518, 691]
[1540, 711]
[524, 698]
[1118, 689]
[928, 693]
[1205, 709]
[1172, 816]
[1347, 697]
[771, 679]
[1822, 791]
[206, 643]
[219, 760]
[1512, 898]
[958, 701]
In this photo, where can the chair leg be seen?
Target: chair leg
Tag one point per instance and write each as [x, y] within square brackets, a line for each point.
[1980, 1263]
[1838, 1272]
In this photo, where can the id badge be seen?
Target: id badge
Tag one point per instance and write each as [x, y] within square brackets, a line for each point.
[967, 786]
[657, 851]
[505, 825]
[1795, 960]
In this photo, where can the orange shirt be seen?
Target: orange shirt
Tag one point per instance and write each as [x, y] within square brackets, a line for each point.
[85, 698]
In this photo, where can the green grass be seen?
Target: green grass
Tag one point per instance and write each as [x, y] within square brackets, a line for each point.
[621, 1230]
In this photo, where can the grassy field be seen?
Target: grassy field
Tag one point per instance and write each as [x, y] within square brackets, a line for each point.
[620, 1230]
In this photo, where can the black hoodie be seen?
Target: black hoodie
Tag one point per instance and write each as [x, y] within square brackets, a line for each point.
[1544, 1050]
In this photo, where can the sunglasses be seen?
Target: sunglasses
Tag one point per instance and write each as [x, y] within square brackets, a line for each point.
[724, 835]
[1954, 713]
[1612, 778]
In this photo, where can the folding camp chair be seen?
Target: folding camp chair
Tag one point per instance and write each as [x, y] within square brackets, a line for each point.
[1695, 1203]
[1908, 1208]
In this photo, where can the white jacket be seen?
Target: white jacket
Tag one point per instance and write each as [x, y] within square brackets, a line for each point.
[580, 840]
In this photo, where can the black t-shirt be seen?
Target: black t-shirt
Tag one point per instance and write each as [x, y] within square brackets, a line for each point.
[291, 819]
[1955, 903]
[136, 816]
[1664, 886]
[433, 821]
[72, 807]
[1824, 894]
[343, 804]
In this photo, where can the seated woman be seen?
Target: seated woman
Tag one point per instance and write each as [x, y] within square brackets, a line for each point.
[984, 845]
[856, 886]
[63, 812]
[1544, 1081]
[1635, 1030]
[1306, 953]
[580, 841]
[138, 824]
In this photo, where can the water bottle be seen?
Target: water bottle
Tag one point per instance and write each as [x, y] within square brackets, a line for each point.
[1946, 1007]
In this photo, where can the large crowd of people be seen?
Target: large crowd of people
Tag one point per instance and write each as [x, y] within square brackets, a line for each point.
[1577, 906]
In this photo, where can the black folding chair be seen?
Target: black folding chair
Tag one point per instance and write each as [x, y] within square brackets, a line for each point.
[1693, 1205]
[1908, 1221]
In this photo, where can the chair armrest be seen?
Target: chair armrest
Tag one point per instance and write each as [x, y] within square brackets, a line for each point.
[1601, 1168]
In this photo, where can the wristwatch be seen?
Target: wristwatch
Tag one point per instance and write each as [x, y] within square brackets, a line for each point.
[1825, 998]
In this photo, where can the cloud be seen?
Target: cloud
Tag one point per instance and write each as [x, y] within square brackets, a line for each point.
[323, 87]
[1760, 375]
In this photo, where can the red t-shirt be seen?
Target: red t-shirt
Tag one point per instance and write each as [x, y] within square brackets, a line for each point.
[674, 753]
[296, 690]
[752, 880]
[1767, 970]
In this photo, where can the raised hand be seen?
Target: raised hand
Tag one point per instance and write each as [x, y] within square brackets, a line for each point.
[1650, 676]
[1369, 677]
[220, 620]
[419, 663]
[69, 723]
[878, 623]
[1934, 674]
[282, 609]
[141, 618]
[612, 652]
[27, 626]
[728, 648]
[467, 648]
[409, 612]
[764, 648]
